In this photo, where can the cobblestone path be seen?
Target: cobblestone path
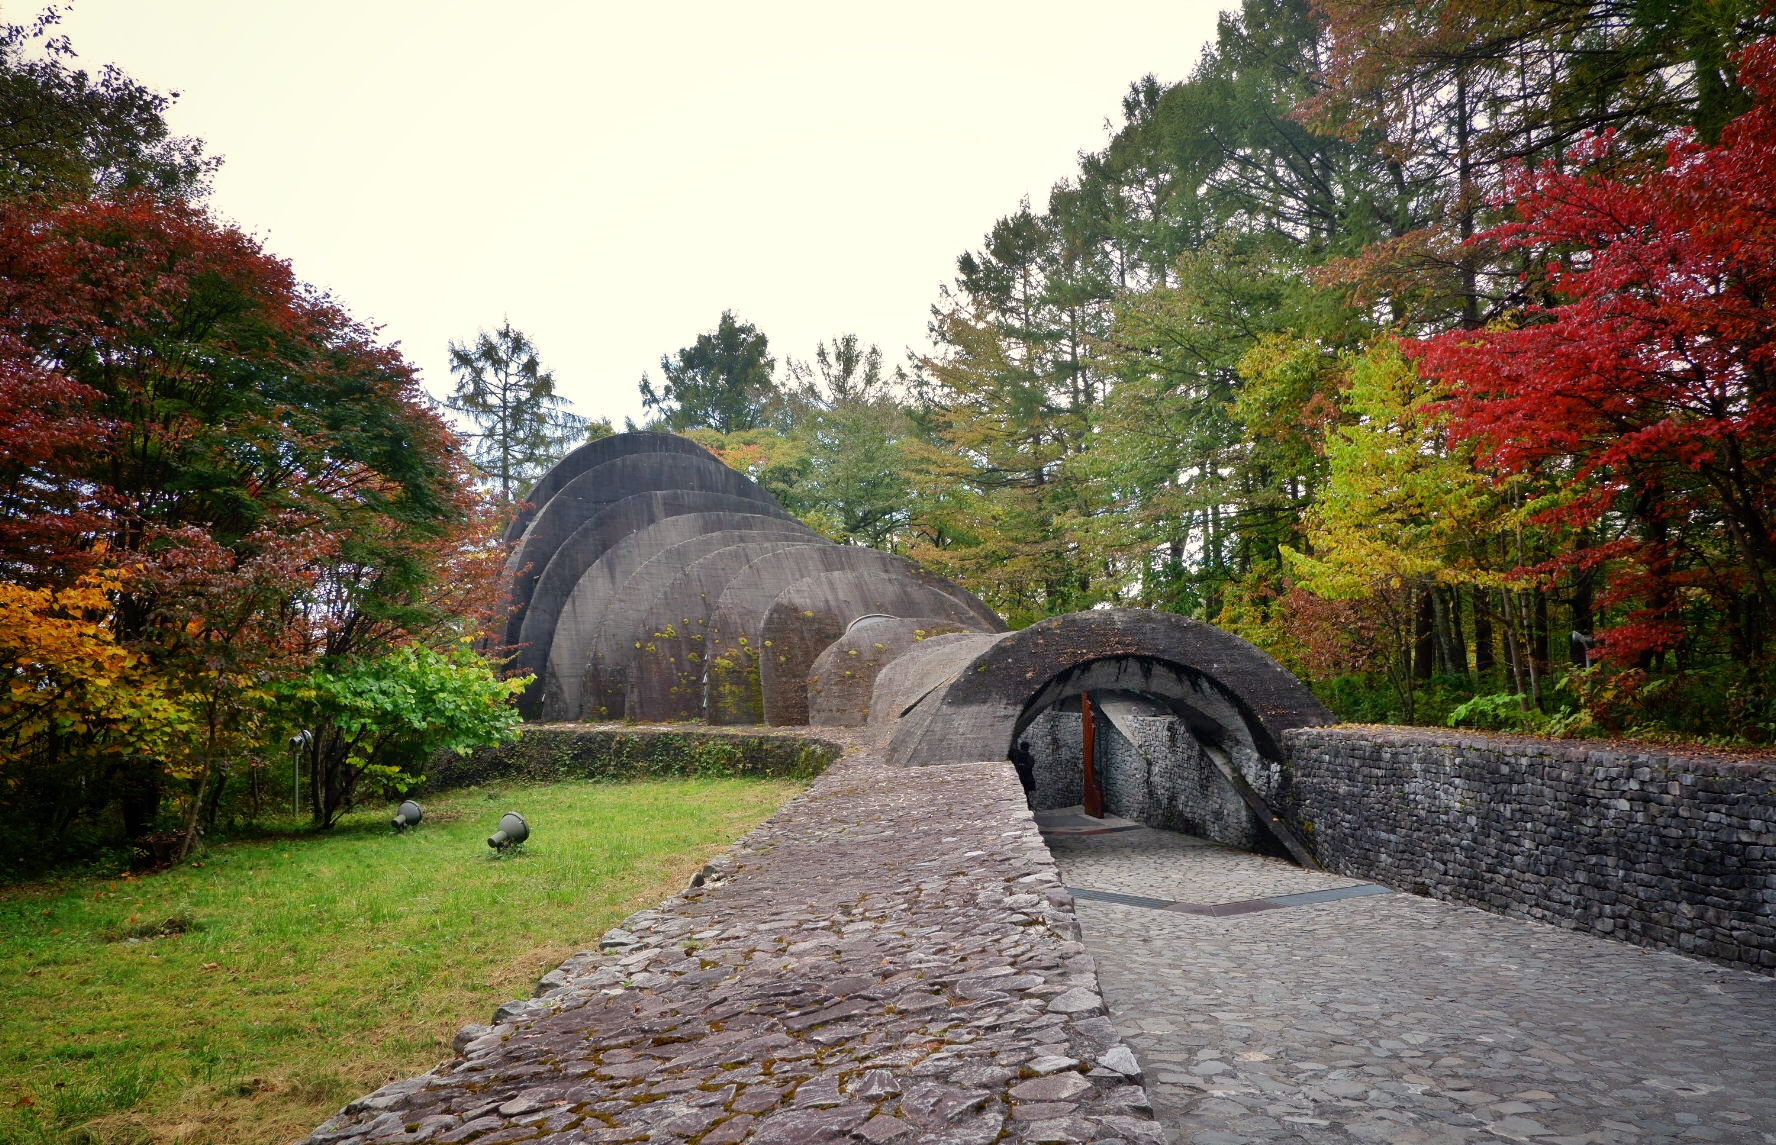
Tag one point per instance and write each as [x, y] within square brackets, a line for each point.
[889, 960]
[1393, 1018]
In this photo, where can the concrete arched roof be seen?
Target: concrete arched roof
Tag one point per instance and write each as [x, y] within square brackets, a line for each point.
[842, 678]
[974, 712]
[732, 693]
[815, 611]
[586, 545]
[665, 674]
[905, 680]
[597, 619]
[594, 453]
[600, 486]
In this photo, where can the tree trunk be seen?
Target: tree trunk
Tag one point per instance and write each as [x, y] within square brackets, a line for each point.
[1424, 638]
[1540, 651]
[1582, 620]
[1452, 648]
[1484, 660]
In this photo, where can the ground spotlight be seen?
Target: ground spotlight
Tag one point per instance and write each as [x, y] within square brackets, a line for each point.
[513, 830]
[408, 815]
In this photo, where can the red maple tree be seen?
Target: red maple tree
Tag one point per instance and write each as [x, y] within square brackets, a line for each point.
[1646, 387]
[261, 482]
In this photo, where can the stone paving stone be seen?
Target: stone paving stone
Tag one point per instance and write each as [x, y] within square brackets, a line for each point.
[1406, 1020]
[1180, 868]
[890, 958]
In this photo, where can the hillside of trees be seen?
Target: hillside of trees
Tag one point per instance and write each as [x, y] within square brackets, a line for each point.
[1428, 346]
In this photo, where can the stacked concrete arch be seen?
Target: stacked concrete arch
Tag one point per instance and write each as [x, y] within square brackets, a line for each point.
[650, 582]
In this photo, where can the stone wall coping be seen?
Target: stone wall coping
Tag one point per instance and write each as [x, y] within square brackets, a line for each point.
[1607, 752]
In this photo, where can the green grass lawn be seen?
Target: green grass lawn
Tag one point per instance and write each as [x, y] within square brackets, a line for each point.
[309, 969]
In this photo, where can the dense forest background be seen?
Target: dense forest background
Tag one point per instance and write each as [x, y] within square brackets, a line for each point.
[1428, 346]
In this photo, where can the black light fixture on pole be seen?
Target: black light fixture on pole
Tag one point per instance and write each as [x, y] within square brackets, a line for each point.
[299, 745]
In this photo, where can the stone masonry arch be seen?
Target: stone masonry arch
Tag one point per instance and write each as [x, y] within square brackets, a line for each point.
[975, 712]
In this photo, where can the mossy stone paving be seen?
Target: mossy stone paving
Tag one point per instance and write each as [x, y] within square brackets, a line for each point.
[891, 958]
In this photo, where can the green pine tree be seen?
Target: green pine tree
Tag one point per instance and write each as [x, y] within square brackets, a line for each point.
[521, 424]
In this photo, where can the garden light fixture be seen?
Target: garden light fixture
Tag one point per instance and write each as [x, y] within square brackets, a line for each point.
[408, 814]
[513, 830]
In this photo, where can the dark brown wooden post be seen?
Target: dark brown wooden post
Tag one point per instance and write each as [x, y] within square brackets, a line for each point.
[1093, 798]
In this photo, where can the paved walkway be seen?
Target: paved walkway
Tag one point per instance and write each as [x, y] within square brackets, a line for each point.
[889, 960]
[1358, 1015]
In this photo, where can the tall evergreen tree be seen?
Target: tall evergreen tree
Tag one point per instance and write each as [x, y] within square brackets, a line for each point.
[723, 381]
[847, 412]
[522, 427]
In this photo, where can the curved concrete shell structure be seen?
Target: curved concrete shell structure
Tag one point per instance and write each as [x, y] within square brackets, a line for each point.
[736, 638]
[646, 553]
[602, 485]
[667, 666]
[651, 582]
[629, 616]
[903, 682]
[587, 547]
[595, 453]
[843, 676]
[812, 613]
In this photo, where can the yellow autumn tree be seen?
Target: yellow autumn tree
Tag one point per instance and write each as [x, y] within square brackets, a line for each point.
[1402, 513]
[75, 700]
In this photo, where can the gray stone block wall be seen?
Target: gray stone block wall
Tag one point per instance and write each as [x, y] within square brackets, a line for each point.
[1161, 778]
[1169, 782]
[1667, 849]
[1054, 739]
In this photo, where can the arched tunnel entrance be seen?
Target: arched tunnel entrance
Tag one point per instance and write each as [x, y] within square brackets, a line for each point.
[1187, 720]
[1143, 740]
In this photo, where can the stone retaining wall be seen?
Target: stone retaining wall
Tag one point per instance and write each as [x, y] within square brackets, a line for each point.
[1668, 849]
[891, 958]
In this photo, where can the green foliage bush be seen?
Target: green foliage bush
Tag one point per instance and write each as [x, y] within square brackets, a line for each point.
[543, 754]
[380, 719]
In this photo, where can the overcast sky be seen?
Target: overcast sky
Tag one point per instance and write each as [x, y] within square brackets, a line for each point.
[613, 176]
